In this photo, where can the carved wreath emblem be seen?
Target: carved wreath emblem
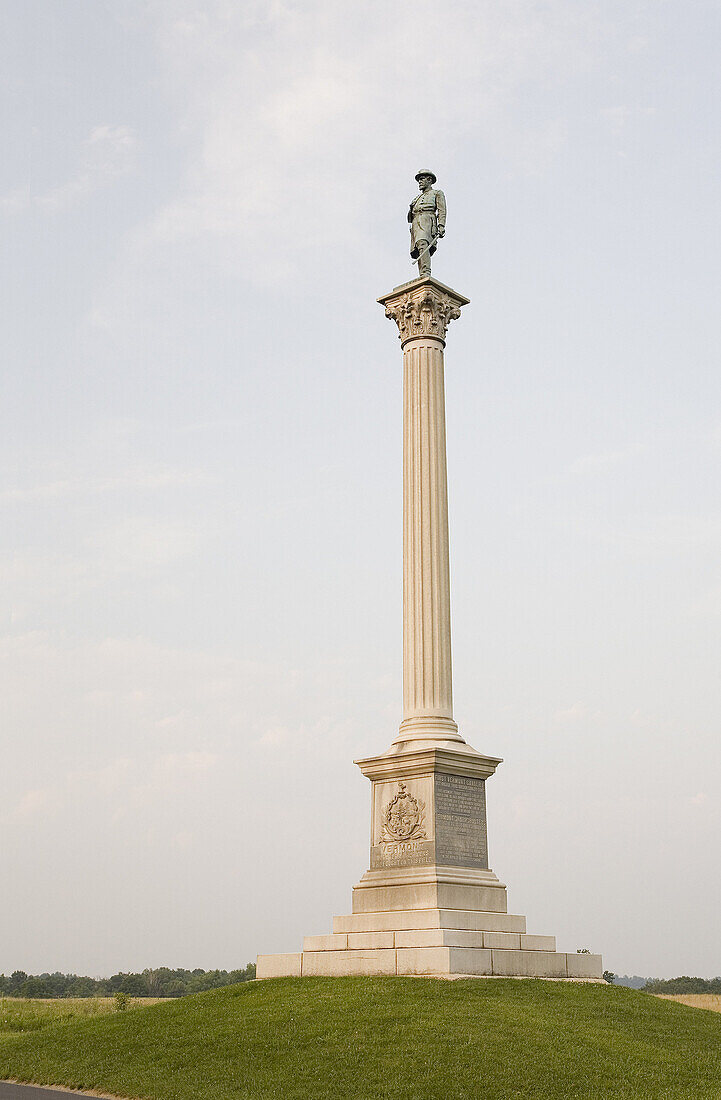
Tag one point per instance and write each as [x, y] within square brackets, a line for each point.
[403, 818]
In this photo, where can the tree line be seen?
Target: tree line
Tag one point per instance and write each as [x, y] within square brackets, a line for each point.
[684, 984]
[162, 982]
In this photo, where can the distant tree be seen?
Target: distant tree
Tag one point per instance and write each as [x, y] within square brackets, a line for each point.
[609, 976]
[175, 988]
[81, 987]
[631, 981]
[209, 979]
[684, 984]
[134, 985]
[161, 982]
[17, 978]
[35, 987]
[245, 975]
[152, 983]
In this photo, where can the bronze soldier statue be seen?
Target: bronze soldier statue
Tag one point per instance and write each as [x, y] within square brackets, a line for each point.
[427, 218]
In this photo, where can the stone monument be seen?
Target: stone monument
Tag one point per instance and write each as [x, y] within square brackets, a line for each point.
[429, 902]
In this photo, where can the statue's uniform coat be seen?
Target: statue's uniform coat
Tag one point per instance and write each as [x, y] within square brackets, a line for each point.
[427, 215]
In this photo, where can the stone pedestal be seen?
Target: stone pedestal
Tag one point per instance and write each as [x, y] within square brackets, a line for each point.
[429, 902]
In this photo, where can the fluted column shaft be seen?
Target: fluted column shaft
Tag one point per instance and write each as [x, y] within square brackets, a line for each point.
[427, 679]
[423, 310]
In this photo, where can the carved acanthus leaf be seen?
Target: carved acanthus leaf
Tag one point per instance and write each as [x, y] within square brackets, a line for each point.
[423, 312]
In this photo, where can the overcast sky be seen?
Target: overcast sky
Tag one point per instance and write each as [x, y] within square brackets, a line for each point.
[200, 532]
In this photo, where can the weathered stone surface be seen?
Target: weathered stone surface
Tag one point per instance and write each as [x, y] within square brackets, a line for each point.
[460, 820]
[336, 942]
[279, 966]
[508, 940]
[423, 960]
[429, 918]
[437, 942]
[360, 941]
[438, 937]
[584, 966]
[470, 960]
[430, 895]
[529, 964]
[316, 963]
[538, 943]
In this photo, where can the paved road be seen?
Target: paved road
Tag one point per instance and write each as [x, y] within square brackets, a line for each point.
[33, 1092]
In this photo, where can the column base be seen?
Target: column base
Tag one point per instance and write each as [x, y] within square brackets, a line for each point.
[429, 887]
[423, 730]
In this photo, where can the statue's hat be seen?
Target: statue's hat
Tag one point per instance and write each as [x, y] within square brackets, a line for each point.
[426, 172]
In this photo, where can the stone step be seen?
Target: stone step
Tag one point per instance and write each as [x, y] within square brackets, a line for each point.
[319, 963]
[428, 937]
[436, 961]
[496, 962]
[285, 965]
[403, 920]
[432, 894]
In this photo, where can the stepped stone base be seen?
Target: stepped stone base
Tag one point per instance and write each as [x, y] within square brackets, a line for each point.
[434, 952]
[440, 942]
[429, 903]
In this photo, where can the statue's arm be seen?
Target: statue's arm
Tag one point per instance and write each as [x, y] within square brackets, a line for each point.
[410, 213]
[441, 212]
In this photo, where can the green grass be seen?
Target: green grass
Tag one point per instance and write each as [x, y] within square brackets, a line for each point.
[389, 1038]
[18, 1014]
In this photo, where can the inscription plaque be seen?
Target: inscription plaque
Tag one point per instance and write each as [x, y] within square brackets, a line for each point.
[460, 813]
[409, 853]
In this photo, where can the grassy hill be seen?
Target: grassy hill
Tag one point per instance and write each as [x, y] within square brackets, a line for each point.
[390, 1038]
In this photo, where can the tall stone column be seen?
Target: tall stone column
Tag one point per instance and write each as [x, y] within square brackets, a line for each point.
[428, 802]
[429, 902]
[423, 310]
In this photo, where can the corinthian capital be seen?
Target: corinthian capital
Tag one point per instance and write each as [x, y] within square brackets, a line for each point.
[424, 307]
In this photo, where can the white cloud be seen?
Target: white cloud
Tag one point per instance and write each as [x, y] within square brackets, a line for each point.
[142, 693]
[107, 152]
[709, 603]
[188, 762]
[104, 781]
[573, 715]
[651, 535]
[267, 90]
[605, 460]
[620, 116]
[32, 804]
[135, 481]
[139, 543]
[275, 736]
[130, 549]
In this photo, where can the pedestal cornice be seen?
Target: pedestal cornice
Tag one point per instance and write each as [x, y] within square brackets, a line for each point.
[408, 765]
[423, 309]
